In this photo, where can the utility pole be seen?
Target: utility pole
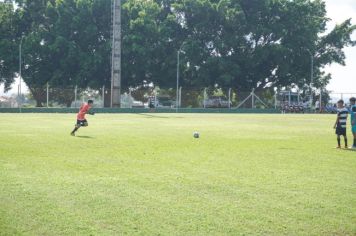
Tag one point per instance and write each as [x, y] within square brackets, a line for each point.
[116, 55]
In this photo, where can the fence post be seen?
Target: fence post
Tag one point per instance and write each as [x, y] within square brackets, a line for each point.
[47, 87]
[19, 97]
[229, 98]
[75, 96]
[275, 100]
[180, 97]
[320, 99]
[103, 95]
[131, 98]
[204, 98]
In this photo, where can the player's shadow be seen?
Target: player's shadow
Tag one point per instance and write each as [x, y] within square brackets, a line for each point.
[350, 149]
[82, 136]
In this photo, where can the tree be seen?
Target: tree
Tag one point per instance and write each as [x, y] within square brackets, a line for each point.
[149, 43]
[66, 44]
[243, 44]
[8, 45]
[37, 58]
[249, 44]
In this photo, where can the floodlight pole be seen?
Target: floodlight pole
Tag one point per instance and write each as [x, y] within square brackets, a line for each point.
[116, 55]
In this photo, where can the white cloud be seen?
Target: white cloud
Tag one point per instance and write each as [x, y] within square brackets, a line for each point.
[344, 77]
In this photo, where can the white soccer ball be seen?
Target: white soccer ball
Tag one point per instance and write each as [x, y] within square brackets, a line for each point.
[196, 134]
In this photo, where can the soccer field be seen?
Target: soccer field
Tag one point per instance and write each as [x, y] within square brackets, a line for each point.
[145, 174]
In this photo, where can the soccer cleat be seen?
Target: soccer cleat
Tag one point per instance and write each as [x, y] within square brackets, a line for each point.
[338, 147]
[72, 133]
[346, 147]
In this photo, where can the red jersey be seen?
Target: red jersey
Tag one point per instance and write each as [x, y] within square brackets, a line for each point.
[82, 111]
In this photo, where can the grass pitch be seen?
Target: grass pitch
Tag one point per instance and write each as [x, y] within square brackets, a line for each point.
[145, 174]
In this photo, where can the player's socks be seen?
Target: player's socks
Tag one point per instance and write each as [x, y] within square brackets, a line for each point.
[74, 130]
[338, 142]
[354, 142]
[345, 138]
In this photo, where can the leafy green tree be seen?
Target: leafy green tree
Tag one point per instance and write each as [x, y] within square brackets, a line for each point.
[34, 28]
[66, 45]
[8, 45]
[149, 43]
[249, 44]
[243, 44]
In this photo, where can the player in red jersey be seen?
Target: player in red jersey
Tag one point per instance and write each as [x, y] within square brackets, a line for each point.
[81, 121]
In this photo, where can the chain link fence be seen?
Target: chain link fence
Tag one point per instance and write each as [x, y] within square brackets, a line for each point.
[169, 98]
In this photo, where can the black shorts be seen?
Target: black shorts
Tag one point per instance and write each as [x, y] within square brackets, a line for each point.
[340, 131]
[82, 122]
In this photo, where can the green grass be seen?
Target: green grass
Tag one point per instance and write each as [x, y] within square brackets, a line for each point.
[145, 174]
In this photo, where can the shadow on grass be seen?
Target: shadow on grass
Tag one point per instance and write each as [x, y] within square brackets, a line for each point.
[157, 116]
[82, 136]
[349, 149]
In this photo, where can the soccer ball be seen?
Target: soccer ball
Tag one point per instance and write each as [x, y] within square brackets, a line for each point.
[196, 134]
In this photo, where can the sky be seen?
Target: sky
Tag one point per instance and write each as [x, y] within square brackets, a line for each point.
[343, 77]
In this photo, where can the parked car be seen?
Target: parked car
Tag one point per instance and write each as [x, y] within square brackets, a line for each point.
[137, 104]
[216, 102]
[296, 108]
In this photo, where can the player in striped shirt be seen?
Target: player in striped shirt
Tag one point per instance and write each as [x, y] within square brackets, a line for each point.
[353, 119]
[81, 121]
[340, 124]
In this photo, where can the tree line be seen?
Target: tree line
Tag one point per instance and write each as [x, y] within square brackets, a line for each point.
[242, 44]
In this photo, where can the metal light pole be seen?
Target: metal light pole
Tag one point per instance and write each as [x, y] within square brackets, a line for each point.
[178, 64]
